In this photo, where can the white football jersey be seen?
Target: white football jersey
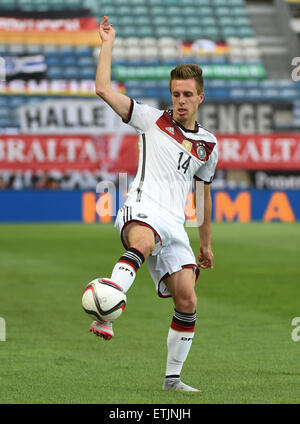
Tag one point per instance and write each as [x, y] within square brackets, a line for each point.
[169, 158]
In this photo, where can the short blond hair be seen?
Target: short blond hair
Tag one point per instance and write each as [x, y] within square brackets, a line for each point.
[188, 71]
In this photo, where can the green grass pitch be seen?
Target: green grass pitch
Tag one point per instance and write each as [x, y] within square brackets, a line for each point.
[243, 351]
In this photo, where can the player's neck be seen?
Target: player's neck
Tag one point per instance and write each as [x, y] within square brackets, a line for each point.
[186, 125]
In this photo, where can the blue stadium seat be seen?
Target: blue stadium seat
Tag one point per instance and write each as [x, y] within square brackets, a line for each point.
[16, 101]
[87, 73]
[219, 59]
[164, 95]
[245, 32]
[255, 94]
[49, 49]
[268, 83]
[71, 72]
[271, 94]
[235, 84]
[205, 11]
[69, 60]
[34, 99]
[139, 10]
[160, 20]
[194, 32]
[127, 31]
[286, 84]
[157, 11]
[53, 60]
[144, 31]
[5, 122]
[288, 94]
[202, 3]
[142, 20]
[218, 83]
[228, 31]
[237, 3]
[238, 94]
[132, 84]
[152, 92]
[220, 94]
[4, 111]
[4, 101]
[84, 51]
[239, 11]
[211, 33]
[55, 72]
[135, 93]
[162, 32]
[178, 32]
[219, 3]
[252, 84]
[174, 11]
[223, 11]
[190, 12]
[86, 61]
[175, 21]
[67, 50]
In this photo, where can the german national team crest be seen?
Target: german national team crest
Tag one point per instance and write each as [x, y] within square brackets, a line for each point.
[201, 152]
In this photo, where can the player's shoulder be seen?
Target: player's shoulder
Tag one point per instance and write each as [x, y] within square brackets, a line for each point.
[142, 116]
[149, 105]
[146, 108]
[208, 134]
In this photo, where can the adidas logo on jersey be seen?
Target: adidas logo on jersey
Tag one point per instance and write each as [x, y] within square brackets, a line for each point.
[170, 130]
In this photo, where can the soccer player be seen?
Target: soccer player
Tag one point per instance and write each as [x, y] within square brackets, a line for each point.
[174, 150]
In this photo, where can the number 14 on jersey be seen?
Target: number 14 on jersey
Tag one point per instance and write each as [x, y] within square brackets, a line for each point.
[183, 163]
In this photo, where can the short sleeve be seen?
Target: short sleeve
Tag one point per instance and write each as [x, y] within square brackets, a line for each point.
[207, 171]
[142, 116]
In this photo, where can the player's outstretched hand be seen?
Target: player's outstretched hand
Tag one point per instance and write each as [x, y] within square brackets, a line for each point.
[205, 258]
[106, 30]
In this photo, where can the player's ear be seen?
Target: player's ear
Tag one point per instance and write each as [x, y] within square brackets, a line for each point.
[201, 97]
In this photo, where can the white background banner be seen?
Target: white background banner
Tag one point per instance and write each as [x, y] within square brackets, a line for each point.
[71, 117]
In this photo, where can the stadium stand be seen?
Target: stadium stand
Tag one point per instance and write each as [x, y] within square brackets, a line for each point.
[234, 35]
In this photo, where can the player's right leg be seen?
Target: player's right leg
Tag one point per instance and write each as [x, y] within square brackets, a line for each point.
[140, 242]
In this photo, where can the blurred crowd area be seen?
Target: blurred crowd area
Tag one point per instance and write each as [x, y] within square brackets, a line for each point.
[224, 179]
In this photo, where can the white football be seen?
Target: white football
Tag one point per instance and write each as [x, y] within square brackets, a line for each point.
[103, 299]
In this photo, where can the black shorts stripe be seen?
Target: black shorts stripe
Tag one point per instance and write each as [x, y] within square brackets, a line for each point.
[139, 189]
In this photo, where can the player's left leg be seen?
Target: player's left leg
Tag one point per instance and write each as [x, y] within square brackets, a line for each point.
[181, 333]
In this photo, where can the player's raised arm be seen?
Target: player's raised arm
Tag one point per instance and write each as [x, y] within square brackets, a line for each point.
[118, 101]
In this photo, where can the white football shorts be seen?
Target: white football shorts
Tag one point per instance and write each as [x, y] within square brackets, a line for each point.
[172, 250]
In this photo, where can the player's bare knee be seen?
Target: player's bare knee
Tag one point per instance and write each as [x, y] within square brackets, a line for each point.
[142, 239]
[144, 246]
